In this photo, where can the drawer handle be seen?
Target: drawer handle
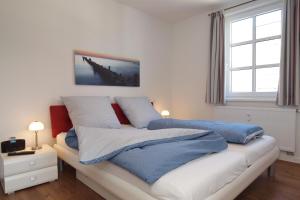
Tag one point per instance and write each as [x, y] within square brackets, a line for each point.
[32, 163]
[32, 178]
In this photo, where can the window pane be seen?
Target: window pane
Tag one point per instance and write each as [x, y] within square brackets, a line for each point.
[267, 79]
[241, 81]
[241, 30]
[268, 52]
[268, 24]
[241, 56]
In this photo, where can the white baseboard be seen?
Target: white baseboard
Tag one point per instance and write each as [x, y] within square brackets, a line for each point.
[289, 158]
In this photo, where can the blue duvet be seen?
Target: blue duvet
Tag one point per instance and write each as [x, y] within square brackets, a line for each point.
[150, 161]
[233, 132]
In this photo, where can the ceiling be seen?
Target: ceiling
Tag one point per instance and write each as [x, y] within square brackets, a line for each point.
[174, 10]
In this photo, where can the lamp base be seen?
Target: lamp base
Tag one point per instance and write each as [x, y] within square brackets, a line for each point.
[36, 148]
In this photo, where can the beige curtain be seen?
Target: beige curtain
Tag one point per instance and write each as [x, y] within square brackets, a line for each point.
[216, 75]
[289, 84]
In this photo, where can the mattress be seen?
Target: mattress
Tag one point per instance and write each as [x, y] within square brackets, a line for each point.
[254, 149]
[197, 179]
[200, 178]
[60, 140]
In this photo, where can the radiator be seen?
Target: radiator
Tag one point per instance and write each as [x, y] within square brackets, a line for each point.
[277, 122]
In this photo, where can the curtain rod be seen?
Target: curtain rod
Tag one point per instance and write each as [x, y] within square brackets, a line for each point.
[238, 5]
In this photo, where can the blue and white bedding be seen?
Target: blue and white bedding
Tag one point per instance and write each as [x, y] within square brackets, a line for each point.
[146, 154]
[233, 132]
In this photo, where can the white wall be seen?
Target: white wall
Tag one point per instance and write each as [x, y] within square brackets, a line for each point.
[189, 67]
[190, 62]
[37, 39]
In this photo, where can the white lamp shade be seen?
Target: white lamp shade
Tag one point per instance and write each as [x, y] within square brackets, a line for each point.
[165, 113]
[36, 126]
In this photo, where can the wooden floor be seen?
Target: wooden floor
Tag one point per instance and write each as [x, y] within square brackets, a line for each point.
[284, 186]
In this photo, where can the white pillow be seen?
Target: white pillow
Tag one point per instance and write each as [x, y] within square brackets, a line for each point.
[139, 110]
[91, 112]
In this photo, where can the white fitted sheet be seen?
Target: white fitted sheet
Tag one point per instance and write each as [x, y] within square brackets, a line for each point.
[200, 178]
[254, 149]
[195, 180]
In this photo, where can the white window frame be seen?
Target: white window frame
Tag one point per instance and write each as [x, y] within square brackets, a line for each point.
[248, 96]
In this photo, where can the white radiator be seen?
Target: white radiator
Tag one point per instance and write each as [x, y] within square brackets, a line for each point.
[277, 122]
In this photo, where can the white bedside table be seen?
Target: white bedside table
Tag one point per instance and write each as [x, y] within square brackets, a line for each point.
[19, 172]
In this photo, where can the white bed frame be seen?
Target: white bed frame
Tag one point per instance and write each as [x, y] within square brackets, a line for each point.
[113, 188]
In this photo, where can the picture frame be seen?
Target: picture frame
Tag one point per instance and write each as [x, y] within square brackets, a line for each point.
[105, 70]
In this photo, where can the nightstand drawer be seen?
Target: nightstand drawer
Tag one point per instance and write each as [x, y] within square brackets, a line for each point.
[21, 164]
[21, 181]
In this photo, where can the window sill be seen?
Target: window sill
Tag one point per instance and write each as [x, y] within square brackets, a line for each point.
[245, 99]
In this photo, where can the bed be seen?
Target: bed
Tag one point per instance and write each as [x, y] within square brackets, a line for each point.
[218, 176]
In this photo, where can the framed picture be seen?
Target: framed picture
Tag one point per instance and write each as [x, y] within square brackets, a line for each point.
[98, 69]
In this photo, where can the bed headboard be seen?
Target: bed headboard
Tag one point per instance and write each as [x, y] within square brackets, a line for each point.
[60, 120]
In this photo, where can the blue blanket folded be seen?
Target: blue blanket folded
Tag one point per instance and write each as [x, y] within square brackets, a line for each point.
[151, 160]
[233, 132]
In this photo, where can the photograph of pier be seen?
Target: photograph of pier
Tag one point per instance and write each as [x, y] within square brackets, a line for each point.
[96, 69]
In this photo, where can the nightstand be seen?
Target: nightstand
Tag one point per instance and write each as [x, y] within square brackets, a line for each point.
[19, 172]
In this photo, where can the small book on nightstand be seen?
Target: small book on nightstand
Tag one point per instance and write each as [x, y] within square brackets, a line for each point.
[19, 172]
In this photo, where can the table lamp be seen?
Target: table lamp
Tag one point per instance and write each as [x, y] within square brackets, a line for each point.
[36, 126]
[165, 113]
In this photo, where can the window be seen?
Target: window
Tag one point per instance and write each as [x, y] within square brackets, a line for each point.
[252, 53]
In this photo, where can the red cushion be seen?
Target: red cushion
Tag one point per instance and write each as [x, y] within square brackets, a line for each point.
[120, 114]
[60, 120]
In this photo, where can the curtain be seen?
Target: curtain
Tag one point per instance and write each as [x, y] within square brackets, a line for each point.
[216, 75]
[289, 84]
